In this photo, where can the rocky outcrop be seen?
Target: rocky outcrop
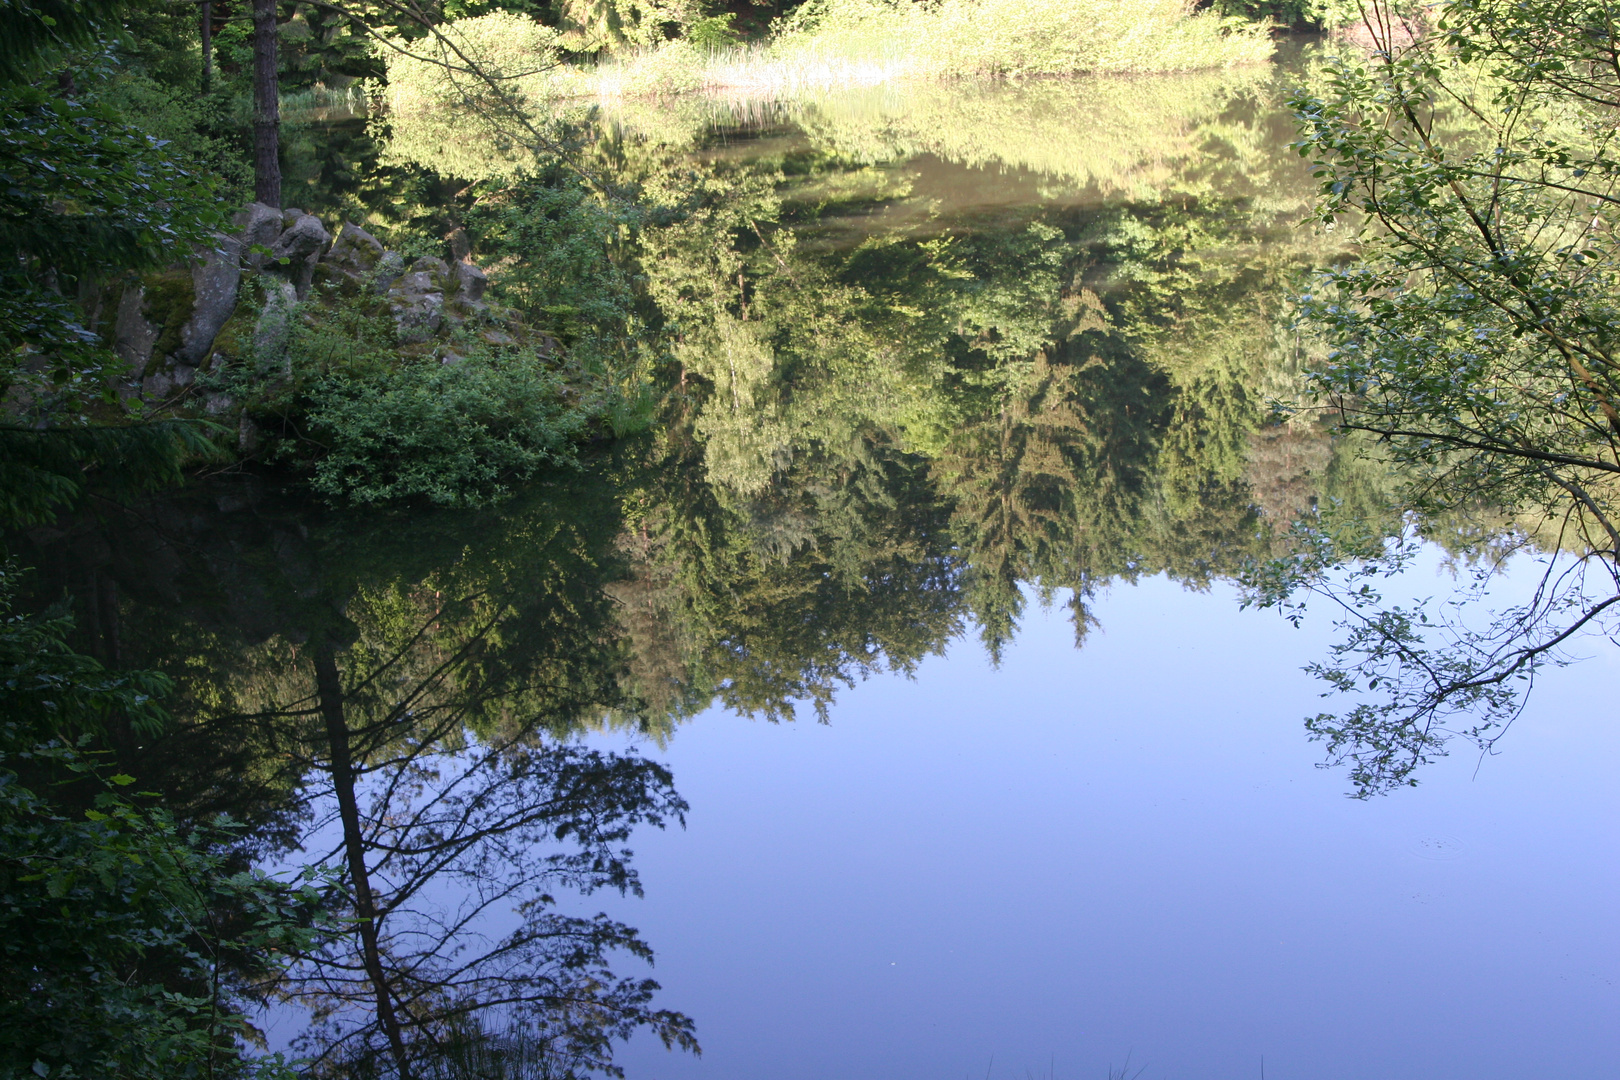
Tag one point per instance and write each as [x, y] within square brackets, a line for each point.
[170, 326]
[297, 251]
[133, 335]
[355, 252]
[471, 281]
[274, 323]
[306, 236]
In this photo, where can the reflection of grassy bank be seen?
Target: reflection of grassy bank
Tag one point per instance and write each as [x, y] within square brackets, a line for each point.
[1139, 138]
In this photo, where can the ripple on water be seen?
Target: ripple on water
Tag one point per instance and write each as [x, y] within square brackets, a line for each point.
[1438, 848]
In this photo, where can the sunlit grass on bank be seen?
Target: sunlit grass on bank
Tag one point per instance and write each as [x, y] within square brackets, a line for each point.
[321, 102]
[844, 44]
[851, 43]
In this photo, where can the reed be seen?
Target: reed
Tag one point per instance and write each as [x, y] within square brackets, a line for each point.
[845, 44]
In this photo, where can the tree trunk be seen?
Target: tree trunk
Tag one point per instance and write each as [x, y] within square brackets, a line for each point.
[266, 106]
[329, 686]
[208, 44]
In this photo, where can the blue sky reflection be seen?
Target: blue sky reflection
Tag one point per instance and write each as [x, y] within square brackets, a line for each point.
[1129, 850]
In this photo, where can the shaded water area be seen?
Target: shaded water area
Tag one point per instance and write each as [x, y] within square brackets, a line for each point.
[965, 424]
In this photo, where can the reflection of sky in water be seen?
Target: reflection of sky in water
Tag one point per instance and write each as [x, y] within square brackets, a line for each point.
[1128, 849]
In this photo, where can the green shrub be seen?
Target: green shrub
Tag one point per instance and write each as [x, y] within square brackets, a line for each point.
[457, 433]
[713, 33]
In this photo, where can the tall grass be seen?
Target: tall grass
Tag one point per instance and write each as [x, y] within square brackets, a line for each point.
[968, 38]
[838, 44]
[841, 44]
[321, 103]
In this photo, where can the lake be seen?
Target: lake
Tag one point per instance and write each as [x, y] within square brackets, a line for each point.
[964, 418]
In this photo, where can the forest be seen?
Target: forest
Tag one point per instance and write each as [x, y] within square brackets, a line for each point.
[395, 391]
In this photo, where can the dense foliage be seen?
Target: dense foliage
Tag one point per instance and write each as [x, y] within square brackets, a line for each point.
[863, 440]
[129, 939]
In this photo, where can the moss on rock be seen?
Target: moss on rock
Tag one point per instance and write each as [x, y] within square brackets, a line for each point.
[170, 300]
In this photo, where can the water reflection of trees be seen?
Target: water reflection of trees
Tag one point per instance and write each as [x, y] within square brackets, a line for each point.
[396, 696]
[911, 432]
[863, 448]
[1080, 391]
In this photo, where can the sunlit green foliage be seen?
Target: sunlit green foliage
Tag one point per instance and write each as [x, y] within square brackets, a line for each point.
[997, 37]
[1473, 337]
[838, 44]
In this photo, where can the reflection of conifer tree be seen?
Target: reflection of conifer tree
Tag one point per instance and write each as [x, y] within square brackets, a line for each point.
[1046, 488]
[839, 568]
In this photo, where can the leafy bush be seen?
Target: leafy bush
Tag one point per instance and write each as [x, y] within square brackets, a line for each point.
[109, 944]
[457, 422]
[457, 433]
[714, 33]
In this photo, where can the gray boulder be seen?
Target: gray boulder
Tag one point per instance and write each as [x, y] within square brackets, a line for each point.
[133, 336]
[275, 321]
[437, 269]
[257, 224]
[304, 275]
[214, 281]
[157, 387]
[302, 245]
[417, 300]
[355, 251]
[387, 271]
[471, 281]
[306, 237]
[247, 435]
[417, 316]
[417, 281]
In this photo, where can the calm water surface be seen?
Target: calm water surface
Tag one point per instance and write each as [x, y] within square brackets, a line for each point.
[955, 373]
[1126, 852]
[1077, 860]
